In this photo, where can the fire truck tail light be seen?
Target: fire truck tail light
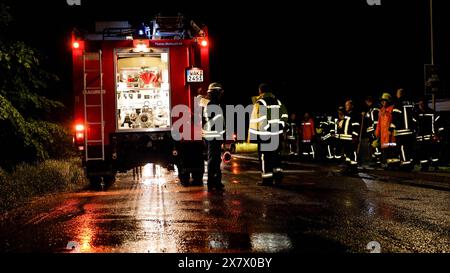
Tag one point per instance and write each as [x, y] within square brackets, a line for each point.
[76, 45]
[79, 128]
[79, 132]
[79, 136]
[204, 43]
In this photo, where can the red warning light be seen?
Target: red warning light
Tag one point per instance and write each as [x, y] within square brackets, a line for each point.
[76, 45]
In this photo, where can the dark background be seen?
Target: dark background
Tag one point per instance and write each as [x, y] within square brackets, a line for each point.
[316, 53]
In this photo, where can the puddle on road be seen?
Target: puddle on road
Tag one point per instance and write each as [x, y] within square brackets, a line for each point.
[270, 242]
[153, 175]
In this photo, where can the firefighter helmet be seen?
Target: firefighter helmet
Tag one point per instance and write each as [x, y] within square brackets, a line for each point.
[386, 97]
[214, 86]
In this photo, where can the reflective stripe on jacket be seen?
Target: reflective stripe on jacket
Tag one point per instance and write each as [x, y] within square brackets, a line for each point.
[428, 125]
[213, 123]
[402, 118]
[350, 127]
[269, 116]
[372, 117]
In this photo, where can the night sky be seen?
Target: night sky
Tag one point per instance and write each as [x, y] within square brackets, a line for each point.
[316, 53]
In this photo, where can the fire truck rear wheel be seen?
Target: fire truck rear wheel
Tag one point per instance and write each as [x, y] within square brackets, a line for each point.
[184, 178]
[95, 182]
[109, 179]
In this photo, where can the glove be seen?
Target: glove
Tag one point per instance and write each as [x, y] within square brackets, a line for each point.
[375, 143]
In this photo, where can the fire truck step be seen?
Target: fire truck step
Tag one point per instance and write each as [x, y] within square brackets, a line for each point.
[94, 88]
[95, 141]
[93, 105]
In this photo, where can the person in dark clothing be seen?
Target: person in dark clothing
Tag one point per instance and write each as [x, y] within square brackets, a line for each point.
[328, 138]
[213, 135]
[373, 110]
[349, 136]
[429, 135]
[292, 134]
[267, 124]
[338, 127]
[404, 125]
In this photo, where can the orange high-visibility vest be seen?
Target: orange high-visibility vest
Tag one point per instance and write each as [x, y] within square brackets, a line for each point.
[386, 136]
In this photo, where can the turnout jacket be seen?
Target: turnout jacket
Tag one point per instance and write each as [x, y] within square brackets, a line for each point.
[429, 124]
[372, 119]
[350, 127]
[403, 122]
[292, 130]
[213, 124]
[267, 112]
[328, 128]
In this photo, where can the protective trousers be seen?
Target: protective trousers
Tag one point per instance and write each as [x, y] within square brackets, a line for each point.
[214, 160]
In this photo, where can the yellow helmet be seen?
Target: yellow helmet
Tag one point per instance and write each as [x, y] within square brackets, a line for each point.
[387, 97]
[215, 86]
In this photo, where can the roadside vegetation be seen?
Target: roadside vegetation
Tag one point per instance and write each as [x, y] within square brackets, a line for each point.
[29, 180]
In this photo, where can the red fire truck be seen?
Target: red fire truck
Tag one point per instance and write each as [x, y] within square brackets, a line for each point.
[126, 80]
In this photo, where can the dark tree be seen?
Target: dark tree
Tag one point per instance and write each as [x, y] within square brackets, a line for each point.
[27, 132]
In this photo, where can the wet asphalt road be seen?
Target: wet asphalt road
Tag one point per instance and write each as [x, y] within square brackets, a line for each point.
[314, 210]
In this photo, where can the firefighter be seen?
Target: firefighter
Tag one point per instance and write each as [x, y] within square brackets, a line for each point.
[213, 135]
[292, 134]
[385, 132]
[267, 123]
[327, 137]
[371, 116]
[349, 137]
[429, 135]
[403, 124]
[338, 127]
[307, 134]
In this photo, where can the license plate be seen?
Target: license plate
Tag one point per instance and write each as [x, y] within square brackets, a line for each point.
[194, 75]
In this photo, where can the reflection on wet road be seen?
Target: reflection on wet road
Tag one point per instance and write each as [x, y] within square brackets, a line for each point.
[314, 210]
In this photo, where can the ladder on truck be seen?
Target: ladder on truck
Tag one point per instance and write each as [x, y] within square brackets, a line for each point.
[93, 104]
